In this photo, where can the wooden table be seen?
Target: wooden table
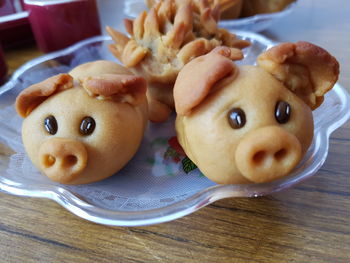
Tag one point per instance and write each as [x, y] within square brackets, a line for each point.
[308, 223]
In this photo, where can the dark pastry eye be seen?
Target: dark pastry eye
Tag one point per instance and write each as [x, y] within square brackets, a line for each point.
[50, 125]
[87, 126]
[236, 118]
[282, 112]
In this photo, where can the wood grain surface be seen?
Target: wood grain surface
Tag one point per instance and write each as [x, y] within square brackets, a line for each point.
[308, 223]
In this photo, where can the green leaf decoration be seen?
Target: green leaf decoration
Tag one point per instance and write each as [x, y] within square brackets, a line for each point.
[188, 165]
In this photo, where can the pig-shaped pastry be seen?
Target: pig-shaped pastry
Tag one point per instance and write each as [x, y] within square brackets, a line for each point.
[251, 123]
[84, 126]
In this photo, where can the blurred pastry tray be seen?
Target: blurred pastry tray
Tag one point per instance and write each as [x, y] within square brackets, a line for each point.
[256, 23]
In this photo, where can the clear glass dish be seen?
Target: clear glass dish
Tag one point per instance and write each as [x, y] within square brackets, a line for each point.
[255, 23]
[153, 187]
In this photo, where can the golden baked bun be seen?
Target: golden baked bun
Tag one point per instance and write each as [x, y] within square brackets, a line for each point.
[84, 126]
[251, 123]
[163, 40]
[253, 7]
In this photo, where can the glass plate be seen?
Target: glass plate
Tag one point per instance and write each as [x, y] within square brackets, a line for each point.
[154, 186]
[255, 23]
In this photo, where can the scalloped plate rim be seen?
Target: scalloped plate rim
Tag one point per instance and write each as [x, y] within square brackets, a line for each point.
[92, 213]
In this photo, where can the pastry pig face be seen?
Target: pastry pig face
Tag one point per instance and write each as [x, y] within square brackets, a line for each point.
[74, 137]
[242, 134]
[246, 127]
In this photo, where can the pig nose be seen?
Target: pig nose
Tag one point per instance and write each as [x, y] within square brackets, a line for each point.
[267, 153]
[62, 160]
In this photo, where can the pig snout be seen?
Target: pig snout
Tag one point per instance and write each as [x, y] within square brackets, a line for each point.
[62, 160]
[267, 153]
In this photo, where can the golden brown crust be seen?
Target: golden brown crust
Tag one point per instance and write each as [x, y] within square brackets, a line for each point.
[124, 88]
[229, 9]
[159, 112]
[118, 84]
[128, 24]
[96, 68]
[304, 68]
[198, 77]
[34, 95]
[107, 79]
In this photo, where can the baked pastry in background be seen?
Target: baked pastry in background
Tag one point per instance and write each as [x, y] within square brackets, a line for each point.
[151, 3]
[254, 7]
[229, 9]
[164, 39]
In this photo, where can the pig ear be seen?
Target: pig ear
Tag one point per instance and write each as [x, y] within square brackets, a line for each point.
[122, 88]
[197, 78]
[306, 69]
[34, 95]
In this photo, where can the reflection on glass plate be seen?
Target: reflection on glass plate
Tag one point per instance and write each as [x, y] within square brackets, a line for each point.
[157, 185]
[255, 23]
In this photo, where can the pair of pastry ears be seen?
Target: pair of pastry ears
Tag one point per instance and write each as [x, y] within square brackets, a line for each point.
[122, 88]
[304, 68]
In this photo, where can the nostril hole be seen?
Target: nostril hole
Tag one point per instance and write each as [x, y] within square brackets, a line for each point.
[259, 157]
[279, 155]
[70, 160]
[49, 161]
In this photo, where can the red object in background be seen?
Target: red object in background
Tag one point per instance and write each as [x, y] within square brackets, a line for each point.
[6, 7]
[3, 67]
[59, 24]
[15, 30]
[174, 143]
[14, 25]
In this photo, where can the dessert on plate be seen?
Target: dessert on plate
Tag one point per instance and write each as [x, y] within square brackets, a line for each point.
[85, 125]
[229, 9]
[232, 9]
[164, 39]
[251, 124]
